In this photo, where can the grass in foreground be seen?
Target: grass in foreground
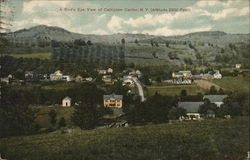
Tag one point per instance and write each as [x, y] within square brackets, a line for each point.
[32, 55]
[174, 90]
[206, 140]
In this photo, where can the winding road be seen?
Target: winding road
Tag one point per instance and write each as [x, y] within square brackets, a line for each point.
[140, 89]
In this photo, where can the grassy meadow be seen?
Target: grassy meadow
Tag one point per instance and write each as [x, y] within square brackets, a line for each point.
[42, 117]
[172, 90]
[218, 139]
[235, 84]
[31, 55]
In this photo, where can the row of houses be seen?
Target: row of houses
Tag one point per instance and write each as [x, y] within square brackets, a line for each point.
[186, 77]
[192, 108]
[105, 71]
[112, 100]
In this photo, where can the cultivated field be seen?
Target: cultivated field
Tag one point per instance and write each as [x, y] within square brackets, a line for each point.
[32, 55]
[174, 90]
[212, 139]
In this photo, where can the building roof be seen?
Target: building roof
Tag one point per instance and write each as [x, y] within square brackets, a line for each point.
[114, 96]
[67, 98]
[184, 72]
[215, 98]
[190, 107]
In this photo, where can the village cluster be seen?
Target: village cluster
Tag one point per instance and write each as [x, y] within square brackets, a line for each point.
[131, 79]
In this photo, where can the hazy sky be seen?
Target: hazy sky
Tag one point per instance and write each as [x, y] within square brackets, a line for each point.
[231, 16]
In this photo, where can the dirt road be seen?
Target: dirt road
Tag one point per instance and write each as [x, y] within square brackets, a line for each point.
[206, 84]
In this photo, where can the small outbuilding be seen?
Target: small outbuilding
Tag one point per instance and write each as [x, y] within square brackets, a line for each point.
[66, 102]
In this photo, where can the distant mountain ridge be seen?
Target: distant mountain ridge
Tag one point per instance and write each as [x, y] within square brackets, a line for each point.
[48, 33]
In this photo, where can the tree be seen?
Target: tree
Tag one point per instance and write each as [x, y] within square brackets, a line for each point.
[136, 42]
[152, 43]
[183, 93]
[62, 122]
[15, 119]
[167, 44]
[123, 41]
[156, 44]
[145, 80]
[85, 116]
[158, 79]
[230, 108]
[52, 116]
[89, 43]
[213, 90]
[207, 108]
[175, 113]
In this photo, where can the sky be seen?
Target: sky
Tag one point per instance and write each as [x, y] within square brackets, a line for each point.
[173, 17]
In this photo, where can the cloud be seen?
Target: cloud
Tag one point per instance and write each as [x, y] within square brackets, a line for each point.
[217, 3]
[169, 32]
[35, 6]
[227, 13]
[208, 3]
[115, 24]
[151, 20]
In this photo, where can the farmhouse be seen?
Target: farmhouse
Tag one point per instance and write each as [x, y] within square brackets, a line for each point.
[109, 70]
[181, 81]
[216, 99]
[180, 74]
[66, 102]
[237, 66]
[78, 78]
[56, 76]
[112, 100]
[101, 71]
[217, 75]
[191, 109]
[107, 78]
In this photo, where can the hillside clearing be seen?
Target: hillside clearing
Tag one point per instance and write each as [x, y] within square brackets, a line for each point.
[42, 117]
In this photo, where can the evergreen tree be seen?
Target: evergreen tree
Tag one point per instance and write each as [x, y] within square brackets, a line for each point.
[85, 116]
[52, 116]
[62, 122]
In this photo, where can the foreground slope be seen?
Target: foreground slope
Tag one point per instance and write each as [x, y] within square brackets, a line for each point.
[212, 139]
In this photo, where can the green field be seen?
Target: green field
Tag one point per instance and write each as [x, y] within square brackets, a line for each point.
[32, 55]
[59, 86]
[205, 140]
[43, 120]
[238, 84]
[174, 90]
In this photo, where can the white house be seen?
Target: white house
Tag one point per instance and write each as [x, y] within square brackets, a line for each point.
[109, 70]
[66, 78]
[180, 74]
[216, 99]
[192, 109]
[217, 75]
[89, 79]
[101, 71]
[66, 102]
[56, 76]
[237, 66]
